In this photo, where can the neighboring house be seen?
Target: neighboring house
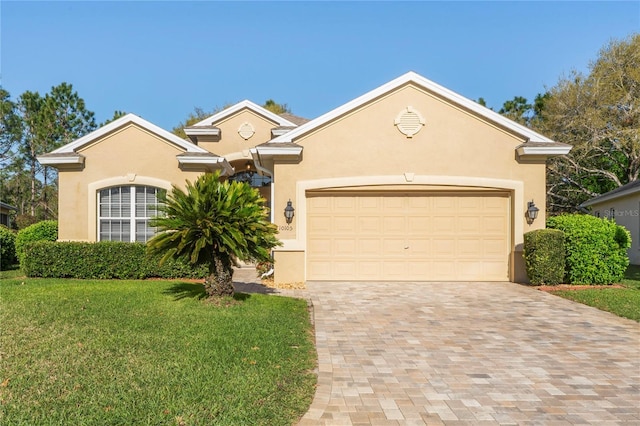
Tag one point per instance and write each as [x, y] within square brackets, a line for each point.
[623, 205]
[5, 211]
[410, 181]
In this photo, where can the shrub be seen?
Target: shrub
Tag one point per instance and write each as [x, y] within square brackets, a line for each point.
[596, 248]
[102, 260]
[7, 247]
[544, 256]
[47, 230]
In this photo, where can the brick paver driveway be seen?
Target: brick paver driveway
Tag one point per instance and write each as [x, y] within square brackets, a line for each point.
[469, 353]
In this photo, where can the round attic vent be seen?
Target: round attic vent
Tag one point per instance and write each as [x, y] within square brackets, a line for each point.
[246, 130]
[409, 122]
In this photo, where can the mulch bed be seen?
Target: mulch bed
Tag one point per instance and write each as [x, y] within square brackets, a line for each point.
[571, 287]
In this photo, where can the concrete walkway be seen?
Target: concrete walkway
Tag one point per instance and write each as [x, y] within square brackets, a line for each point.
[469, 353]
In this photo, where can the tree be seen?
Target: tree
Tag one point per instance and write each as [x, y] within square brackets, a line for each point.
[599, 114]
[213, 223]
[9, 125]
[40, 124]
[517, 110]
[276, 108]
[116, 114]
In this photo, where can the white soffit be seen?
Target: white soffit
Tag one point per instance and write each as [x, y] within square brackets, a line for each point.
[412, 77]
[209, 121]
[122, 121]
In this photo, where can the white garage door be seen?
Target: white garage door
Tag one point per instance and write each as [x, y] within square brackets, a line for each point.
[408, 237]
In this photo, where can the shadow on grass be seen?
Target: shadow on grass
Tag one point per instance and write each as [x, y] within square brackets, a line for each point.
[196, 291]
[187, 290]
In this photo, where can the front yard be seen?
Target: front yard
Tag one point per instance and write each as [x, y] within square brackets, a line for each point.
[150, 352]
[623, 300]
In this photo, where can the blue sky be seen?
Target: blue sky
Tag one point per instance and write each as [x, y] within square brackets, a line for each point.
[159, 60]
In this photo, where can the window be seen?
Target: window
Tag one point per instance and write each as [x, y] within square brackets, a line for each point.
[4, 219]
[124, 213]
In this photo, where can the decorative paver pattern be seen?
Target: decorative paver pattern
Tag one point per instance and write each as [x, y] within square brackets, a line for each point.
[466, 354]
[469, 353]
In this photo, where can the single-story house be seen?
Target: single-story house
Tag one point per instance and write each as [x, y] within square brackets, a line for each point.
[623, 205]
[5, 211]
[409, 181]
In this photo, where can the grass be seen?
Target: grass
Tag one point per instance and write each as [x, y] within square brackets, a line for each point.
[624, 302]
[150, 353]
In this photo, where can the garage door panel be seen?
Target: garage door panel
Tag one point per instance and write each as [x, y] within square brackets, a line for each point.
[443, 225]
[394, 269]
[369, 225]
[420, 247]
[416, 237]
[320, 225]
[419, 224]
[470, 225]
[321, 247]
[393, 224]
[344, 247]
[344, 224]
[393, 247]
[469, 247]
[369, 270]
[444, 247]
[369, 247]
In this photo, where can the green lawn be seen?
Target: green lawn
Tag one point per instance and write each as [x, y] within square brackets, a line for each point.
[150, 352]
[624, 302]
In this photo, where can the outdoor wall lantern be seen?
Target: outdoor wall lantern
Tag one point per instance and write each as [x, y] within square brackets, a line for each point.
[288, 212]
[532, 212]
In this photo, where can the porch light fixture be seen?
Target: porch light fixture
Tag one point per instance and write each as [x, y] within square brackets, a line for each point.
[289, 212]
[248, 166]
[532, 212]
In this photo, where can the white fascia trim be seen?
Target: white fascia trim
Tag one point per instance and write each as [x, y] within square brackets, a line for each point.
[279, 132]
[276, 151]
[525, 151]
[202, 132]
[129, 118]
[605, 198]
[240, 105]
[63, 159]
[221, 162]
[412, 77]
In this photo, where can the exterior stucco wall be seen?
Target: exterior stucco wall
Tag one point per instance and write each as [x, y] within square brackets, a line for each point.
[230, 144]
[627, 214]
[128, 156]
[454, 148]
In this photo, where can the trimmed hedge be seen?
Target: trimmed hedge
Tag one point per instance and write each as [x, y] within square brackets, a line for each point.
[47, 230]
[102, 260]
[7, 247]
[596, 248]
[544, 256]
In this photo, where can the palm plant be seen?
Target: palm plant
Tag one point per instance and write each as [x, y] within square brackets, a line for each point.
[211, 223]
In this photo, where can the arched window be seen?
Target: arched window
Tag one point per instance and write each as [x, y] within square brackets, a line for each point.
[124, 213]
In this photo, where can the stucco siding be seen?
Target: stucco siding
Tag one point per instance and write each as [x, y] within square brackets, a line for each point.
[129, 156]
[231, 142]
[454, 148]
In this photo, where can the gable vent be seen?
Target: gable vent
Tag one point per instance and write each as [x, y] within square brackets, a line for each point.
[409, 122]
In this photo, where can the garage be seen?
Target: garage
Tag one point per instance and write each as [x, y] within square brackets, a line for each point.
[408, 236]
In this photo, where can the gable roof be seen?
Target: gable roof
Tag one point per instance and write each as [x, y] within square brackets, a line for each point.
[412, 77]
[73, 147]
[622, 191]
[211, 120]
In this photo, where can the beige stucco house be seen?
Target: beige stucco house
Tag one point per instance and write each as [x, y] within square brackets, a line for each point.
[623, 205]
[410, 181]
